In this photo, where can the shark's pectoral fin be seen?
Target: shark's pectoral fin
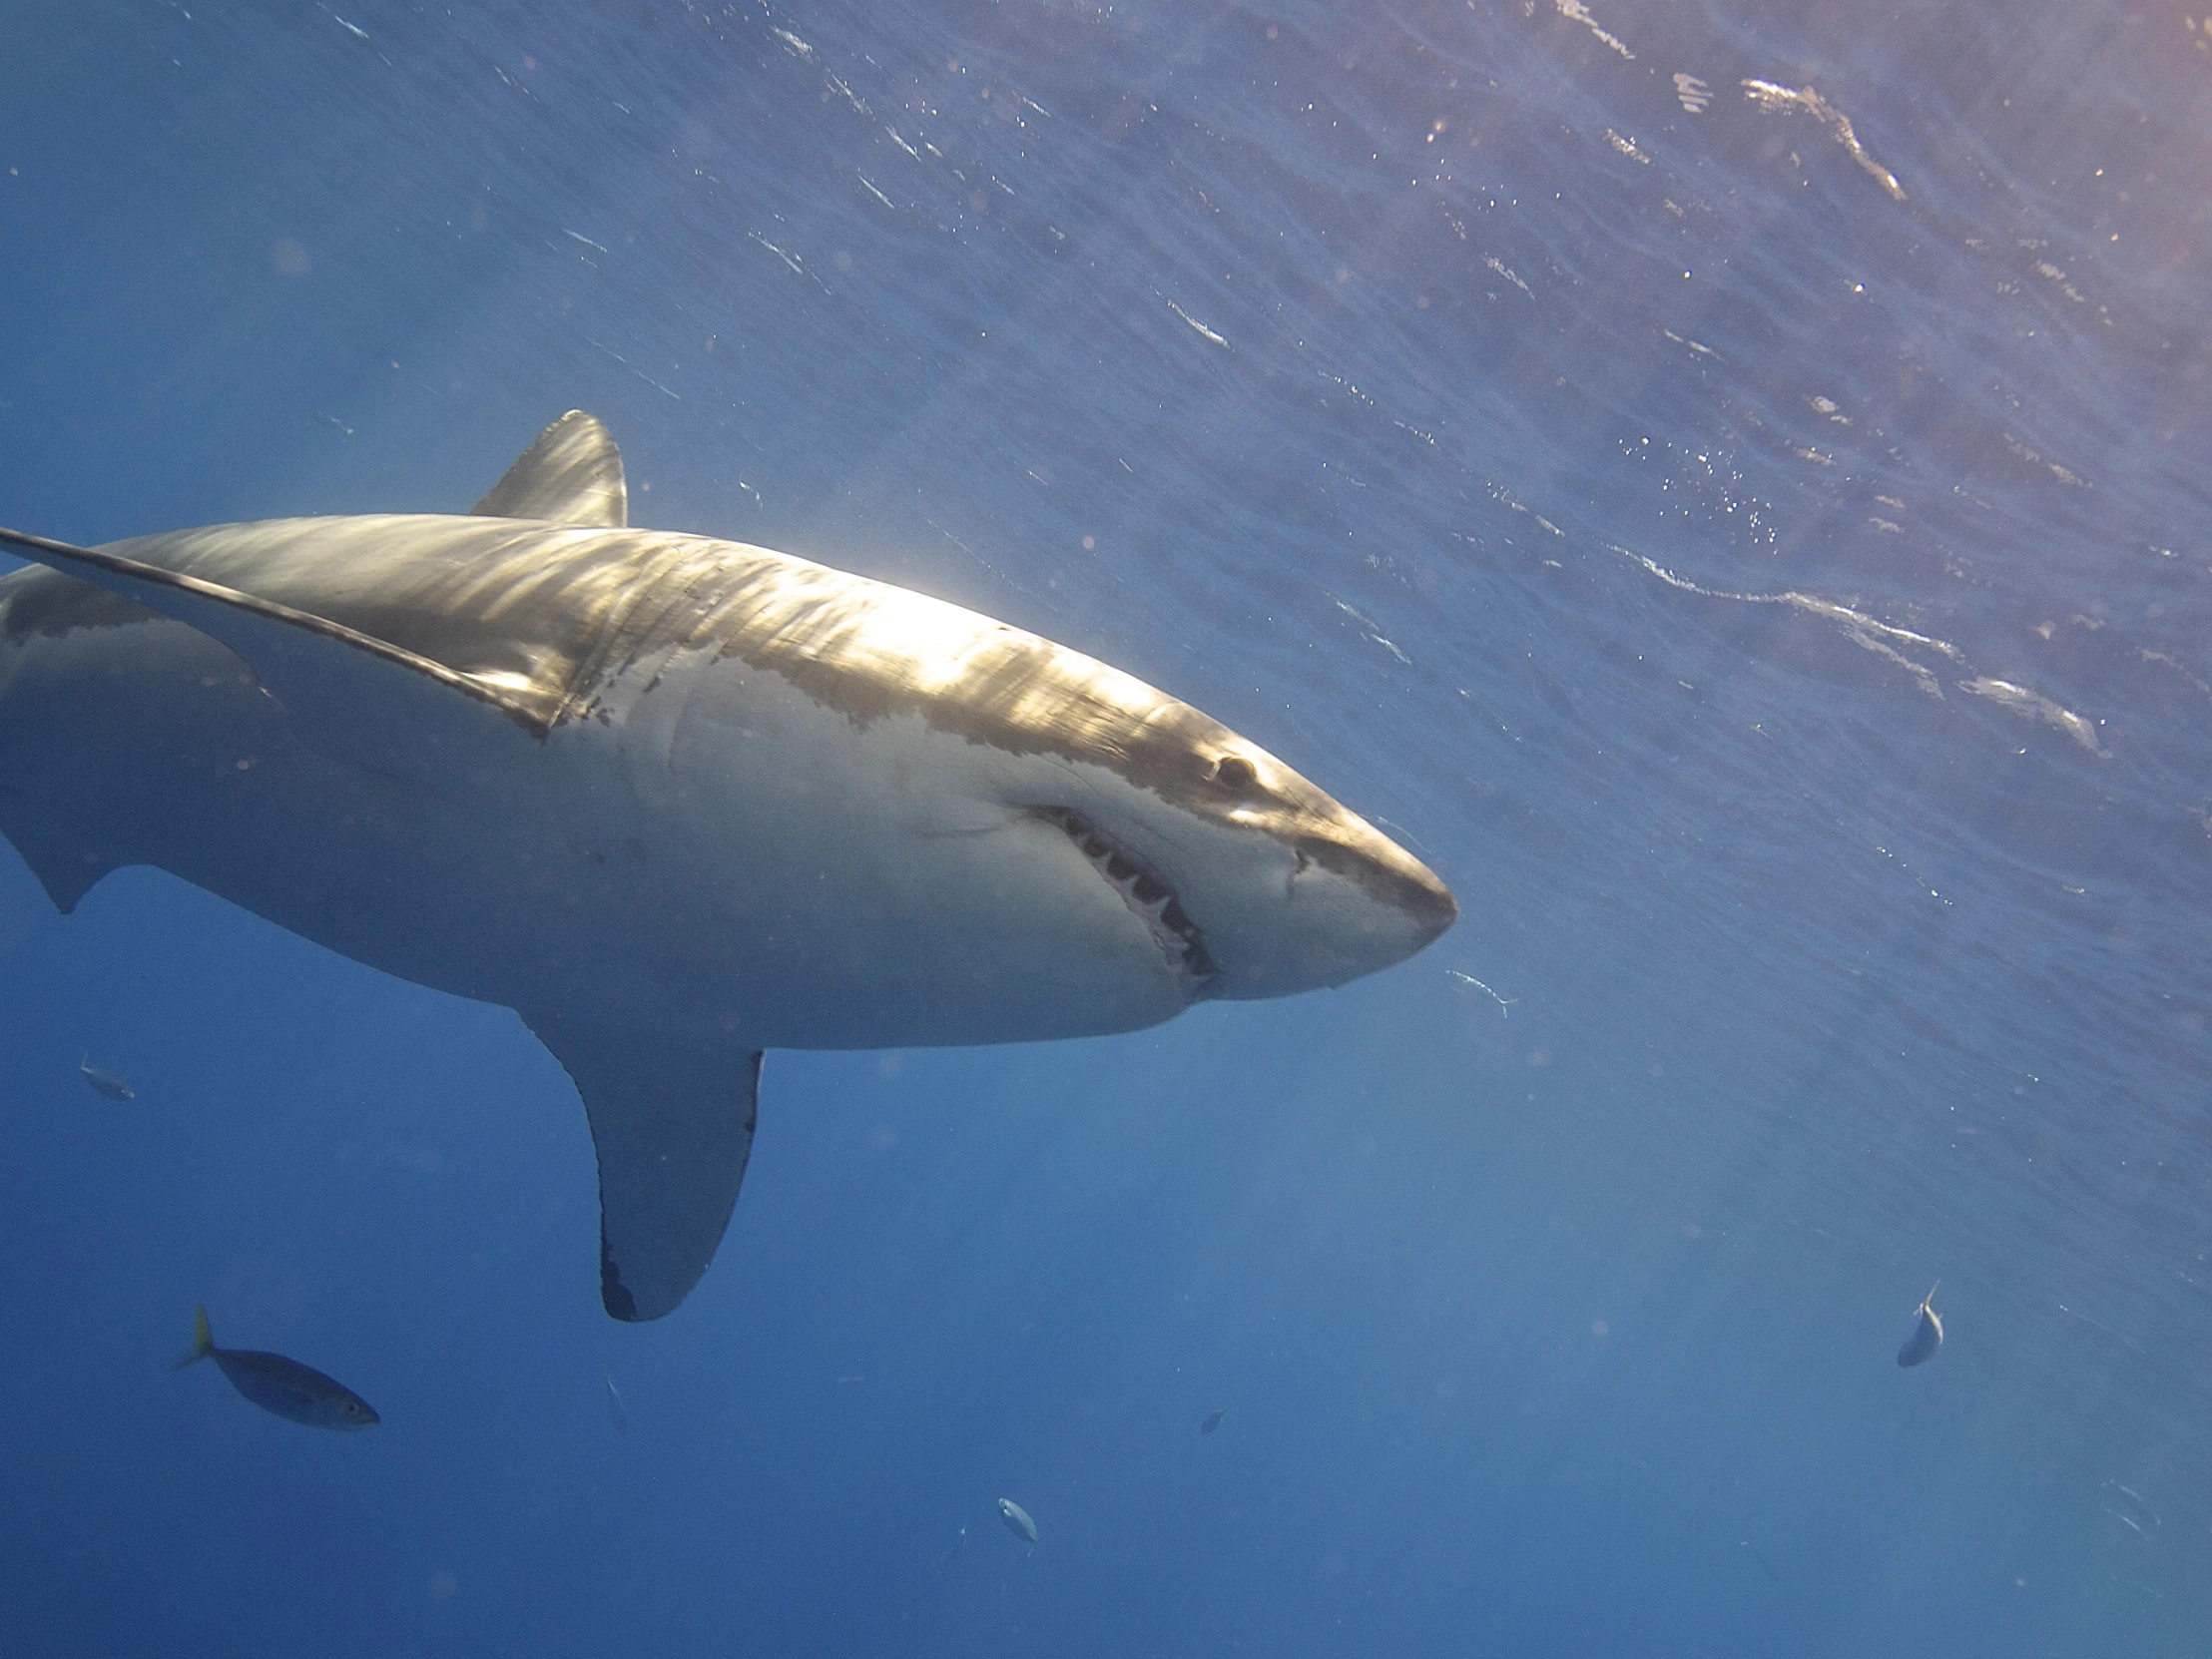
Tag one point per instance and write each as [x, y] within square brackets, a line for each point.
[571, 475]
[673, 1126]
[355, 696]
[66, 872]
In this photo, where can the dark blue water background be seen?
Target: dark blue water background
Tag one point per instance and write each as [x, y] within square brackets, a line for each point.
[1754, 545]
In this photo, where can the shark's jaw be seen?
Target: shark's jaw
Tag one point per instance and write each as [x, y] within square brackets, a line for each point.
[1182, 946]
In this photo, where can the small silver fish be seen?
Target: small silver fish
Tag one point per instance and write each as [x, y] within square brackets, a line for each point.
[1017, 1522]
[105, 1083]
[614, 1408]
[959, 1544]
[1928, 1334]
[1213, 1420]
[282, 1385]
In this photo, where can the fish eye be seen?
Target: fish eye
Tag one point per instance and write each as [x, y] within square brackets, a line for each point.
[1234, 772]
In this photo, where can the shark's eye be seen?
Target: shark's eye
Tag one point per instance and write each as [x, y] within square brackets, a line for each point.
[1235, 772]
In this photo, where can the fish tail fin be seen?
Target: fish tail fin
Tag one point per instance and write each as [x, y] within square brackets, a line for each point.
[203, 1339]
[1932, 1289]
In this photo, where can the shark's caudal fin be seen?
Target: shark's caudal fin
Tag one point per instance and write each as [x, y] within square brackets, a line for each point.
[673, 1126]
[571, 475]
[203, 1339]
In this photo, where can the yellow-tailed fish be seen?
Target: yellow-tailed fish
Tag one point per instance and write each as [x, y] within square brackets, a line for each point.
[282, 1385]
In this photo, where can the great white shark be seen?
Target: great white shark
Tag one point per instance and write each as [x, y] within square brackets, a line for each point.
[675, 801]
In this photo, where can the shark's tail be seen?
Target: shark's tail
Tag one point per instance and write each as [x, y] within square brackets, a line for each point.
[203, 1339]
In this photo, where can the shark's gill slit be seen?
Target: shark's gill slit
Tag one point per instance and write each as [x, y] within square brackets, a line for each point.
[1149, 899]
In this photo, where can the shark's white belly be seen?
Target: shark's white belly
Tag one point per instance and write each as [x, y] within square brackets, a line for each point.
[718, 852]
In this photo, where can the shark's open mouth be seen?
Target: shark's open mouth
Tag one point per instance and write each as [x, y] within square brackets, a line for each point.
[1150, 900]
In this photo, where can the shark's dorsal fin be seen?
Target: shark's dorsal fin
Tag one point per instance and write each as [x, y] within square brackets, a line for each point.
[571, 475]
[672, 1122]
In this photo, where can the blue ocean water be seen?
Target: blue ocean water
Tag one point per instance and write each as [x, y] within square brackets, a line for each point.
[1725, 484]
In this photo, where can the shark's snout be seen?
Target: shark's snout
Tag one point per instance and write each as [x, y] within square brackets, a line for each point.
[1399, 884]
[1343, 901]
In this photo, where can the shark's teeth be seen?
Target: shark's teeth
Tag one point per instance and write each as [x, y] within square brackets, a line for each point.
[1150, 900]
